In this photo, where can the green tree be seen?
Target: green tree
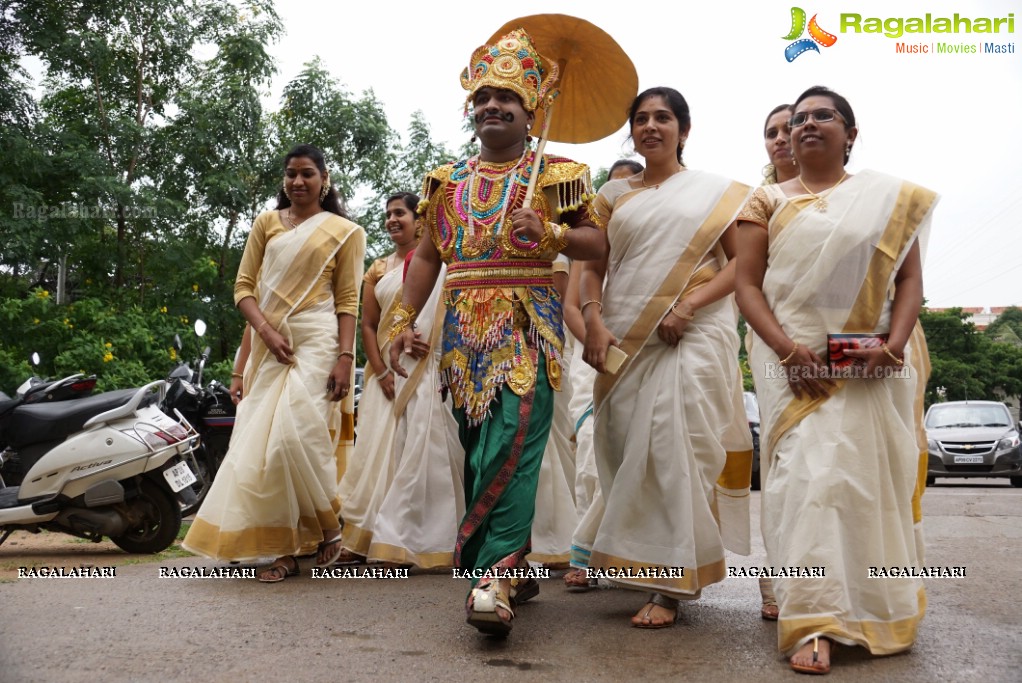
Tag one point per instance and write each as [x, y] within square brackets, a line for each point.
[353, 134]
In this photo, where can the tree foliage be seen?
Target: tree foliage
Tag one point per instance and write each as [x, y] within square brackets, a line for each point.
[140, 165]
[967, 363]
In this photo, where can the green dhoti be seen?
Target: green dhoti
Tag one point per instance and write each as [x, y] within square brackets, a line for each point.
[502, 462]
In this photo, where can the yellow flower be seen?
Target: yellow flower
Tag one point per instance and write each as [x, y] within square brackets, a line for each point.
[195, 288]
[88, 280]
[35, 321]
[163, 309]
[184, 320]
[172, 353]
[109, 345]
[107, 357]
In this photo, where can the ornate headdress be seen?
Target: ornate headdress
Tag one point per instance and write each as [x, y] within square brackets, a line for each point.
[512, 63]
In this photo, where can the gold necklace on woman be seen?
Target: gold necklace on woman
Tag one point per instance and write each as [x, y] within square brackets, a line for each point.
[821, 197]
[675, 172]
[290, 221]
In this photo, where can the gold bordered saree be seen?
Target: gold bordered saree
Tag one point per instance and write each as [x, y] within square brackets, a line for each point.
[664, 425]
[841, 474]
[276, 492]
[402, 492]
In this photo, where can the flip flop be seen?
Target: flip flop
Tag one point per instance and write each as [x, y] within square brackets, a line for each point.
[812, 669]
[661, 601]
[280, 570]
[334, 556]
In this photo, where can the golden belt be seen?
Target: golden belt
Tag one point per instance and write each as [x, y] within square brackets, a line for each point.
[491, 274]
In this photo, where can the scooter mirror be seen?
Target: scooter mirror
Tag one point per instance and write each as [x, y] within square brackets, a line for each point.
[200, 328]
[177, 343]
[35, 358]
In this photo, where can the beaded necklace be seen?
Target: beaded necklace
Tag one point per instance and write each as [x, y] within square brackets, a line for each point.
[476, 240]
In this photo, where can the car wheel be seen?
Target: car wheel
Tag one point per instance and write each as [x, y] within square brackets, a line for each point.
[930, 481]
[1016, 482]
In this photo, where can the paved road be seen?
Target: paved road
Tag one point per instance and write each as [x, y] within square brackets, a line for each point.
[139, 627]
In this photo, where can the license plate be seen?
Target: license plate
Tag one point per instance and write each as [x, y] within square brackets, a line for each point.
[968, 459]
[179, 476]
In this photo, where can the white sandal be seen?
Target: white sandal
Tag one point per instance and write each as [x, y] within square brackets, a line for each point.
[486, 598]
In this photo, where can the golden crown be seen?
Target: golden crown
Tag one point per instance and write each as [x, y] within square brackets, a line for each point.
[512, 63]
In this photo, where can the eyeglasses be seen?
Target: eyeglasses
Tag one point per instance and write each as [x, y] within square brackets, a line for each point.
[819, 116]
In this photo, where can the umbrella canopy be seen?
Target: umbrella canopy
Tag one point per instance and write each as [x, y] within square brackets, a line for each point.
[598, 81]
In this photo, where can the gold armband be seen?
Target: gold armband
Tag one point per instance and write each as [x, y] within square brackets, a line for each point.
[556, 237]
[404, 316]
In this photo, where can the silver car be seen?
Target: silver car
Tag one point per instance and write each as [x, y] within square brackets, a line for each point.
[972, 439]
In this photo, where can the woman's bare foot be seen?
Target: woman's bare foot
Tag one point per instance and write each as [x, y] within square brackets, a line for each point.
[659, 612]
[812, 658]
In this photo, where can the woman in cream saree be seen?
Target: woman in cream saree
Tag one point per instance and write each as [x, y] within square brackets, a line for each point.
[402, 493]
[840, 456]
[275, 494]
[665, 422]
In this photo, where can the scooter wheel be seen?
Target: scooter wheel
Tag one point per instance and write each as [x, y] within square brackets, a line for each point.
[160, 521]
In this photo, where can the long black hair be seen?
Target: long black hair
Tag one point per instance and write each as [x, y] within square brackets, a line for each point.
[332, 201]
[674, 100]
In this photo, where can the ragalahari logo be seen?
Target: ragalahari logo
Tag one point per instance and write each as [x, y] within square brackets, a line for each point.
[816, 35]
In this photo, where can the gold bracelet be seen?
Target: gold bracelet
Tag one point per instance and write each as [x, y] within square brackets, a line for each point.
[790, 355]
[683, 317]
[342, 354]
[260, 328]
[890, 354]
[591, 301]
[238, 375]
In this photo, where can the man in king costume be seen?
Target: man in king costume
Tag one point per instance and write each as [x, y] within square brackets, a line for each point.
[502, 339]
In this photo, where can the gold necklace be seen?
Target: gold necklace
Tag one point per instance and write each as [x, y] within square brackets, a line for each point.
[657, 186]
[821, 198]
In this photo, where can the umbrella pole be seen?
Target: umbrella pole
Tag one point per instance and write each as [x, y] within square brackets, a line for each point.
[538, 158]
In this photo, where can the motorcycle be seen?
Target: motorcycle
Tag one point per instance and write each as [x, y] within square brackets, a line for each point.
[111, 465]
[36, 389]
[208, 409]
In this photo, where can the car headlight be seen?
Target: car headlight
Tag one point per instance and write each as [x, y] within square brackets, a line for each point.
[1008, 442]
[932, 445]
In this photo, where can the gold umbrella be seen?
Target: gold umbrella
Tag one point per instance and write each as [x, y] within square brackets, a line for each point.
[597, 84]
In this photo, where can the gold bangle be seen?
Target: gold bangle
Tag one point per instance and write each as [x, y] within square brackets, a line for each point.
[264, 324]
[790, 355]
[342, 354]
[680, 315]
[890, 354]
[238, 375]
[591, 301]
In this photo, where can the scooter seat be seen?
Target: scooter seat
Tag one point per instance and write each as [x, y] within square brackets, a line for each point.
[38, 422]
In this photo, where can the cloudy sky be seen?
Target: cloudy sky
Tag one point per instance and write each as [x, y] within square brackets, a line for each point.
[946, 121]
